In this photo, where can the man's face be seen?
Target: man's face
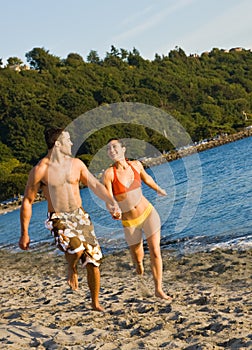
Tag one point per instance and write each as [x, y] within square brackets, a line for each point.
[66, 143]
[116, 151]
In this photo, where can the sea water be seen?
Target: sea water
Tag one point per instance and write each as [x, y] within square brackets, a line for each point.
[208, 205]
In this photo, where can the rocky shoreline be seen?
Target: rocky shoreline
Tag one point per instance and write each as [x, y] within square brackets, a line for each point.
[15, 203]
[199, 147]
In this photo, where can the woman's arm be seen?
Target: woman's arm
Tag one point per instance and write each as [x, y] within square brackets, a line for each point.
[149, 181]
[99, 189]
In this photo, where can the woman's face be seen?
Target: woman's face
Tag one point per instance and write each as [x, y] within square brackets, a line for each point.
[116, 151]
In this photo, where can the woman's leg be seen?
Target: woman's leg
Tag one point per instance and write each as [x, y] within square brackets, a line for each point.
[156, 264]
[152, 231]
[133, 237]
[137, 255]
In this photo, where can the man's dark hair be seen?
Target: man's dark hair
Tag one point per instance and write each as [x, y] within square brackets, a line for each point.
[51, 136]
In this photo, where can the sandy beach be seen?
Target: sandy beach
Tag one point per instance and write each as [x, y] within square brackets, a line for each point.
[211, 307]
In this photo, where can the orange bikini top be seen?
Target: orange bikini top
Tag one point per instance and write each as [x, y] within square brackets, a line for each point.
[119, 188]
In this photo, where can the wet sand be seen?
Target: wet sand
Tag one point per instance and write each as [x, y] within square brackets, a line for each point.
[211, 307]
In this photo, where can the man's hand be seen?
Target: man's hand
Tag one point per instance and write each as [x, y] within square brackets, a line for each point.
[24, 242]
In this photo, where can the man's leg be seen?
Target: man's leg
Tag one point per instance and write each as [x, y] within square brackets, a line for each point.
[93, 278]
[72, 260]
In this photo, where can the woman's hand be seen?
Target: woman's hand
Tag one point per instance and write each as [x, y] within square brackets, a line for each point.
[161, 191]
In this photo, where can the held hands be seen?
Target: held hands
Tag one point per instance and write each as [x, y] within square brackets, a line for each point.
[116, 212]
[117, 215]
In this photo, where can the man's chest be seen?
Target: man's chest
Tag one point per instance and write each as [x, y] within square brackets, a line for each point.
[59, 176]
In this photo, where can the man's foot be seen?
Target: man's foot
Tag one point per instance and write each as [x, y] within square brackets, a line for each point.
[161, 294]
[73, 280]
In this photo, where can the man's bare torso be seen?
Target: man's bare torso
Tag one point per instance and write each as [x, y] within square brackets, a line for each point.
[60, 184]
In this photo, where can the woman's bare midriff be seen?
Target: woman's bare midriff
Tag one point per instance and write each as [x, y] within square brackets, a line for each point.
[132, 204]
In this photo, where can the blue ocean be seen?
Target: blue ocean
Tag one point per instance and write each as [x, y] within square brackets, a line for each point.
[208, 206]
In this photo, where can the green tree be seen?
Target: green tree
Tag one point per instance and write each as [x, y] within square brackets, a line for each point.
[5, 152]
[134, 58]
[211, 112]
[106, 95]
[113, 58]
[14, 61]
[124, 54]
[93, 57]
[26, 138]
[12, 186]
[74, 60]
[40, 59]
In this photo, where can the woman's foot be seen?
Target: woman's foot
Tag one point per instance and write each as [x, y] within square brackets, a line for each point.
[161, 294]
[97, 307]
[139, 268]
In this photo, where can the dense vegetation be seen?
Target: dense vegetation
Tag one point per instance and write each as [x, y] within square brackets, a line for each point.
[208, 94]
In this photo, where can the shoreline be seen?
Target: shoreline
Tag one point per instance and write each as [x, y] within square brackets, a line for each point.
[15, 205]
[197, 148]
[171, 156]
[210, 308]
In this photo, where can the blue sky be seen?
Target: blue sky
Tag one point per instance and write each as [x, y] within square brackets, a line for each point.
[151, 26]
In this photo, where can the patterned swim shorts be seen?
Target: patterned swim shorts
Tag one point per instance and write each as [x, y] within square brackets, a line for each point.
[74, 232]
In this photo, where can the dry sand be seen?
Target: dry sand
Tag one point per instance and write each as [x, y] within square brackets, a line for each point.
[211, 307]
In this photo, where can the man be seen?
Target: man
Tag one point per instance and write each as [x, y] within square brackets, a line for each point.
[58, 175]
[123, 181]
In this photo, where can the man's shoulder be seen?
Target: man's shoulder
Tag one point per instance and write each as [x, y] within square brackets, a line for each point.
[42, 164]
[38, 171]
[77, 162]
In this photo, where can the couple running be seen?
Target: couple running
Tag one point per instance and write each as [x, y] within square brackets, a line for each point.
[58, 175]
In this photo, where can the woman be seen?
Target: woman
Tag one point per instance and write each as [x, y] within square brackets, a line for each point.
[123, 181]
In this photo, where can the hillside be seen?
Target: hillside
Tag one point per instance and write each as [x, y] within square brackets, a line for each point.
[209, 95]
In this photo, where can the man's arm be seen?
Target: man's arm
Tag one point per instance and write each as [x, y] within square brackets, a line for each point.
[99, 189]
[107, 181]
[31, 190]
